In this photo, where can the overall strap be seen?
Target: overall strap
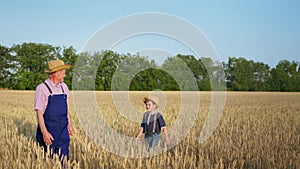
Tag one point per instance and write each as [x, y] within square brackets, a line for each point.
[62, 89]
[154, 123]
[51, 90]
[48, 87]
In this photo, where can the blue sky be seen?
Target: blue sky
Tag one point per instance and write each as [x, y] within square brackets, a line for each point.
[264, 31]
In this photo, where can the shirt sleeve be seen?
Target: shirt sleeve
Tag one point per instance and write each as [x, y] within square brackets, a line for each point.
[39, 98]
[143, 124]
[161, 121]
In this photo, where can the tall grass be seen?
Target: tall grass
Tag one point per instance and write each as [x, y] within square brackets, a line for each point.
[257, 130]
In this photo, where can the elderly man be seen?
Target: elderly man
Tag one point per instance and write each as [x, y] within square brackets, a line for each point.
[51, 106]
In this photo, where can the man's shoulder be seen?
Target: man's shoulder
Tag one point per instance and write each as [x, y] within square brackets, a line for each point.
[40, 86]
[64, 85]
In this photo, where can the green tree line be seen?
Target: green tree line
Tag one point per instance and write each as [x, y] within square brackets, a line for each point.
[22, 68]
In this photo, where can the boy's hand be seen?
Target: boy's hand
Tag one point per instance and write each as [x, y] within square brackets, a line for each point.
[168, 141]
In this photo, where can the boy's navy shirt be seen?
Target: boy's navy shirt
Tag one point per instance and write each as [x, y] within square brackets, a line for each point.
[148, 128]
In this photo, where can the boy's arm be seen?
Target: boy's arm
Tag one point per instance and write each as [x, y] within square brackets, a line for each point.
[168, 141]
[140, 133]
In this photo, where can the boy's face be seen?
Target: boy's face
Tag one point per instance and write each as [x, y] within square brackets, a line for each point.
[150, 106]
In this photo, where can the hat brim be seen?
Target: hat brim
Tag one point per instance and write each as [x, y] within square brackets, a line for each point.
[58, 68]
[146, 99]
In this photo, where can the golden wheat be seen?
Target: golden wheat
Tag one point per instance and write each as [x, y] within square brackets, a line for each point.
[257, 130]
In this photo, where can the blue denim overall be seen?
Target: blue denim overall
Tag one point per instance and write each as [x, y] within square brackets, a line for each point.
[56, 121]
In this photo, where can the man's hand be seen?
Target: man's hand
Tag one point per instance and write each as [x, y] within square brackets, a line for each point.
[48, 138]
[71, 130]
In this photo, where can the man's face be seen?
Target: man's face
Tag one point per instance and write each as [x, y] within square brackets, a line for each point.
[60, 75]
[150, 106]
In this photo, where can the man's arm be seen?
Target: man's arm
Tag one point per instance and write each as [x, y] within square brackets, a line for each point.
[48, 138]
[70, 125]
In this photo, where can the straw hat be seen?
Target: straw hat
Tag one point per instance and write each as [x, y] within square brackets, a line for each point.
[56, 65]
[152, 98]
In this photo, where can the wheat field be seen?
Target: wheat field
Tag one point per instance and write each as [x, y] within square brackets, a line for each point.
[256, 130]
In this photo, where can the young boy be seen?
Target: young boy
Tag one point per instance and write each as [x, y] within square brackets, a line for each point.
[152, 124]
